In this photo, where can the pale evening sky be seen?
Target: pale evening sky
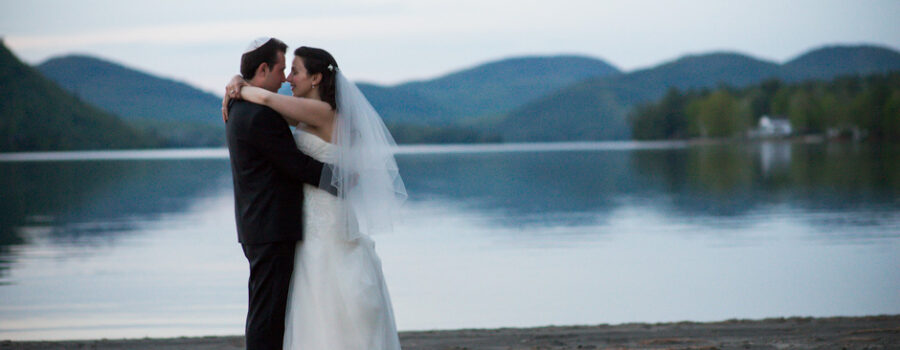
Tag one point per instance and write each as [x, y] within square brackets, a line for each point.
[393, 41]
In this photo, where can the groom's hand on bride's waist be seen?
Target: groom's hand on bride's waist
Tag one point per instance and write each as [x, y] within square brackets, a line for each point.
[326, 183]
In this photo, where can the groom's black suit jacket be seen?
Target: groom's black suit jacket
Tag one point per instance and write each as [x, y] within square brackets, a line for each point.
[268, 172]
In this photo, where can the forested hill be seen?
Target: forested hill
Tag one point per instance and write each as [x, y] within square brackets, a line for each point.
[597, 108]
[36, 114]
[425, 111]
[130, 93]
[182, 115]
[833, 61]
[487, 90]
[545, 98]
[847, 107]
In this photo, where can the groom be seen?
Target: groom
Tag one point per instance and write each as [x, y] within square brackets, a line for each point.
[268, 172]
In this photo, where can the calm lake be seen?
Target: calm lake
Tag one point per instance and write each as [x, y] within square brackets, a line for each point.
[134, 244]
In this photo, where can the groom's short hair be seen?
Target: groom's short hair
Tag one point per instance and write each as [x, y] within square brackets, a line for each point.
[265, 53]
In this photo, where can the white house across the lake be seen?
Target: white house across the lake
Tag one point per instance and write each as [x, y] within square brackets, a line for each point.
[771, 126]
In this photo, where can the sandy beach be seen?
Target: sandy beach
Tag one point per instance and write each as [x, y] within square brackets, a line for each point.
[871, 332]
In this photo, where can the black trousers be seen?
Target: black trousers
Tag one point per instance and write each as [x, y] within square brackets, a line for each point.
[271, 267]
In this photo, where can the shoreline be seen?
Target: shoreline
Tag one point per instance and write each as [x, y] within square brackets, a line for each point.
[221, 152]
[866, 332]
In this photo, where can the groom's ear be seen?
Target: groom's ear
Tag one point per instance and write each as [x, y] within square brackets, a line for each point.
[262, 69]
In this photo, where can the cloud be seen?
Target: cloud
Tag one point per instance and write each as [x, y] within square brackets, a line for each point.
[390, 41]
[351, 27]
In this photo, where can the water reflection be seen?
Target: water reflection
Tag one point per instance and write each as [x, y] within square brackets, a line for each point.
[836, 186]
[666, 233]
[702, 181]
[523, 188]
[774, 156]
[831, 187]
[95, 202]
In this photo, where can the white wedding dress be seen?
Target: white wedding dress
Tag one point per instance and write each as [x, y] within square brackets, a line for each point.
[338, 299]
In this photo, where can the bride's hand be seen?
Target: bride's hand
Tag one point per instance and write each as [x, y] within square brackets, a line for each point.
[232, 91]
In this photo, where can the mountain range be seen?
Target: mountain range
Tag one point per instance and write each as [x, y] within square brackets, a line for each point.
[36, 114]
[596, 108]
[182, 115]
[129, 93]
[487, 90]
[535, 98]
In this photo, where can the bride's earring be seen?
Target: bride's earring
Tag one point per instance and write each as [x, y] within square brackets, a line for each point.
[313, 86]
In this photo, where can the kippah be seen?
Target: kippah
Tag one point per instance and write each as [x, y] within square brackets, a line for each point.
[257, 43]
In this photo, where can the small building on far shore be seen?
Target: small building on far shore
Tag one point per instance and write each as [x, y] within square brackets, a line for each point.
[772, 126]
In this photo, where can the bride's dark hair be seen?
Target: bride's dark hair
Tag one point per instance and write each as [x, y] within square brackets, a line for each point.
[317, 61]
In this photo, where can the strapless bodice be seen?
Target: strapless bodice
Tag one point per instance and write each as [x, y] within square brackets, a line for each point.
[314, 146]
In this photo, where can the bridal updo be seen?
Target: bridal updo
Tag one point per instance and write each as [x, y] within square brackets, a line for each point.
[320, 61]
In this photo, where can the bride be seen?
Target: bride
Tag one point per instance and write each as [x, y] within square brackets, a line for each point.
[338, 298]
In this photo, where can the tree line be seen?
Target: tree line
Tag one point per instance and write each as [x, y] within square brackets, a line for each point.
[869, 105]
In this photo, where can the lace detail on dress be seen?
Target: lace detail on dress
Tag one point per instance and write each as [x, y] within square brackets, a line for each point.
[322, 212]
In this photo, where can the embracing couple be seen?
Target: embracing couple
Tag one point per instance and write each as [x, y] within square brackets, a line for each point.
[306, 202]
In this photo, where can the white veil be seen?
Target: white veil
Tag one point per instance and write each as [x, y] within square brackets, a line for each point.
[364, 171]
